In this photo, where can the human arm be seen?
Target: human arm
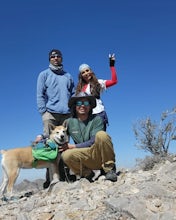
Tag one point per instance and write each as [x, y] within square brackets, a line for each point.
[72, 87]
[86, 143]
[41, 96]
[81, 145]
[114, 79]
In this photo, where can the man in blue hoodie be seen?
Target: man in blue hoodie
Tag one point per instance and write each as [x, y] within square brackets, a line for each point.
[54, 89]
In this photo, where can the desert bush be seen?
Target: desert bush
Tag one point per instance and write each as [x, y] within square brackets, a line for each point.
[149, 162]
[155, 137]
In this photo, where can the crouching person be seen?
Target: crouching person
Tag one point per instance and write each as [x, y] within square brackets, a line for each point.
[93, 148]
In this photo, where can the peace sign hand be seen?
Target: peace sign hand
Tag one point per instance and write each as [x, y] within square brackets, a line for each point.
[112, 59]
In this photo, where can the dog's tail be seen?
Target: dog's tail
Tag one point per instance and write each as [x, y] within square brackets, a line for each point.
[2, 151]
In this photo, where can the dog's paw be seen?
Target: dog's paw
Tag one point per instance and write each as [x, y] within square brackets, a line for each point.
[53, 182]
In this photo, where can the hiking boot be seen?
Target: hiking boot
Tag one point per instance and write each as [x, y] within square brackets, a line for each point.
[111, 175]
[90, 176]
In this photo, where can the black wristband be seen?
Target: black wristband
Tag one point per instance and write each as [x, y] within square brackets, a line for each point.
[111, 62]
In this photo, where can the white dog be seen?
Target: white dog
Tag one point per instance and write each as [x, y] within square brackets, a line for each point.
[14, 159]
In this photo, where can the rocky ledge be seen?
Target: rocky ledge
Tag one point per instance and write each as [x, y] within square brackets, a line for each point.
[141, 195]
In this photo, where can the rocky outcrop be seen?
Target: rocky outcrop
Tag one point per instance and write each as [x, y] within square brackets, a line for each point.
[141, 195]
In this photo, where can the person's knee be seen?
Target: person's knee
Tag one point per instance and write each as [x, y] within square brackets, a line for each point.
[101, 135]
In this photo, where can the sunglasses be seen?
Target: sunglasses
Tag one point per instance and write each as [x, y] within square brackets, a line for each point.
[80, 103]
[55, 56]
[85, 71]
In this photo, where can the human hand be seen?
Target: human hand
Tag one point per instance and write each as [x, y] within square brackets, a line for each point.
[71, 146]
[112, 59]
[66, 146]
[38, 138]
[63, 147]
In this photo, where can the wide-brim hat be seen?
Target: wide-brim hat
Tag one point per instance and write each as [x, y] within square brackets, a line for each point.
[77, 97]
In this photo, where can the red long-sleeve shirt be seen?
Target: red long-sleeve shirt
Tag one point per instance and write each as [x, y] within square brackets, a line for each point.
[114, 79]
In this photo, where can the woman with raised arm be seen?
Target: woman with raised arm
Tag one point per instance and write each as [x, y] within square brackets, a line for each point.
[88, 83]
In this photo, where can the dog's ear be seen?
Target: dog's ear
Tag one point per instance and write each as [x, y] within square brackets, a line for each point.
[51, 126]
[65, 124]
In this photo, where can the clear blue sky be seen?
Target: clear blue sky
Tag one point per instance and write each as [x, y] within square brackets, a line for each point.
[142, 34]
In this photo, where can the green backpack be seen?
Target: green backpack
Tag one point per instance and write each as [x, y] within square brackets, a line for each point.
[46, 151]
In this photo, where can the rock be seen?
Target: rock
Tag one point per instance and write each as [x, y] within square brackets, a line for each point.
[136, 195]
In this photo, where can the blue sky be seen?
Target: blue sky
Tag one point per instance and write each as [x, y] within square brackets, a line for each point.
[142, 35]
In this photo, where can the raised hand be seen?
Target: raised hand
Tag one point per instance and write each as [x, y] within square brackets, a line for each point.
[112, 59]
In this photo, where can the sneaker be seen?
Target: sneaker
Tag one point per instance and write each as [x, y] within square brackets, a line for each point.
[111, 175]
